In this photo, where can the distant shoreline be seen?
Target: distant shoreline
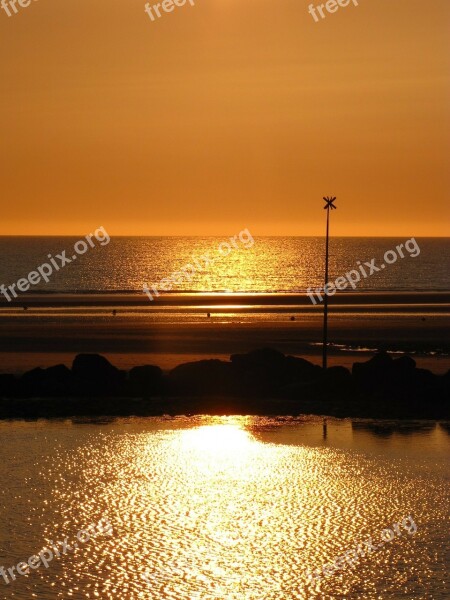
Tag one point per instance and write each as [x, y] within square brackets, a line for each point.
[277, 299]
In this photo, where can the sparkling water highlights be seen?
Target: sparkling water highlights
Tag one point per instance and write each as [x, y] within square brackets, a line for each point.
[270, 264]
[225, 508]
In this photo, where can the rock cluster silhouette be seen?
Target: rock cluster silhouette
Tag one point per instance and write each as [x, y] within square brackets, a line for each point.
[263, 381]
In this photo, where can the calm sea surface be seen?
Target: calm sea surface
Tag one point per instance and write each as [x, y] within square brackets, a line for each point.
[264, 264]
[230, 508]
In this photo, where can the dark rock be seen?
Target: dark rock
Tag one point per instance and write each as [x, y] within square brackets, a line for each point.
[301, 391]
[49, 382]
[337, 376]
[32, 383]
[266, 357]
[95, 375]
[332, 385]
[8, 386]
[380, 363]
[145, 374]
[259, 382]
[374, 373]
[202, 377]
[33, 377]
[145, 380]
[58, 380]
[59, 373]
[445, 384]
[302, 370]
[404, 364]
[397, 384]
[264, 372]
[424, 378]
[93, 366]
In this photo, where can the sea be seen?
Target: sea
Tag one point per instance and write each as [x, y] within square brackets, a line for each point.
[224, 264]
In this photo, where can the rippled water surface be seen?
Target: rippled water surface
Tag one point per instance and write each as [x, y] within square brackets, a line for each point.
[260, 264]
[225, 508]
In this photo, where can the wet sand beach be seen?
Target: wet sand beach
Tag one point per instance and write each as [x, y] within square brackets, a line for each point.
[177, 328]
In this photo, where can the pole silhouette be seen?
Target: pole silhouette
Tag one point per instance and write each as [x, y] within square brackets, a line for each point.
[328, 206]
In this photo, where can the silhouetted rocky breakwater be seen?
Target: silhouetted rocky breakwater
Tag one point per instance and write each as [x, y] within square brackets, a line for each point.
[259, 382]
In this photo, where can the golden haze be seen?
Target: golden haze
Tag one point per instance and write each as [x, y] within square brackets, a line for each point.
[227, 115]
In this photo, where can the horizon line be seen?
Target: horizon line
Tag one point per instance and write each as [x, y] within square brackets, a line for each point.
[266, 235]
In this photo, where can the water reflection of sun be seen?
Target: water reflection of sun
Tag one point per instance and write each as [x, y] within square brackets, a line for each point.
[219, 438]
[220, 445]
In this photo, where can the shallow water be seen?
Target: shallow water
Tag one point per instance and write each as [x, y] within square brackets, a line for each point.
[225, 508]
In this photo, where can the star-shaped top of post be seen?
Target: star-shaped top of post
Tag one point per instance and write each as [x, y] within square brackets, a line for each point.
[329, 202]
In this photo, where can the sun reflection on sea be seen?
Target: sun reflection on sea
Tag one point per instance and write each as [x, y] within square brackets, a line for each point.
[225, 438]
[213, 508]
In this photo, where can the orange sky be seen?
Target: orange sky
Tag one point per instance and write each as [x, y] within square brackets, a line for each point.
[224, 115]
